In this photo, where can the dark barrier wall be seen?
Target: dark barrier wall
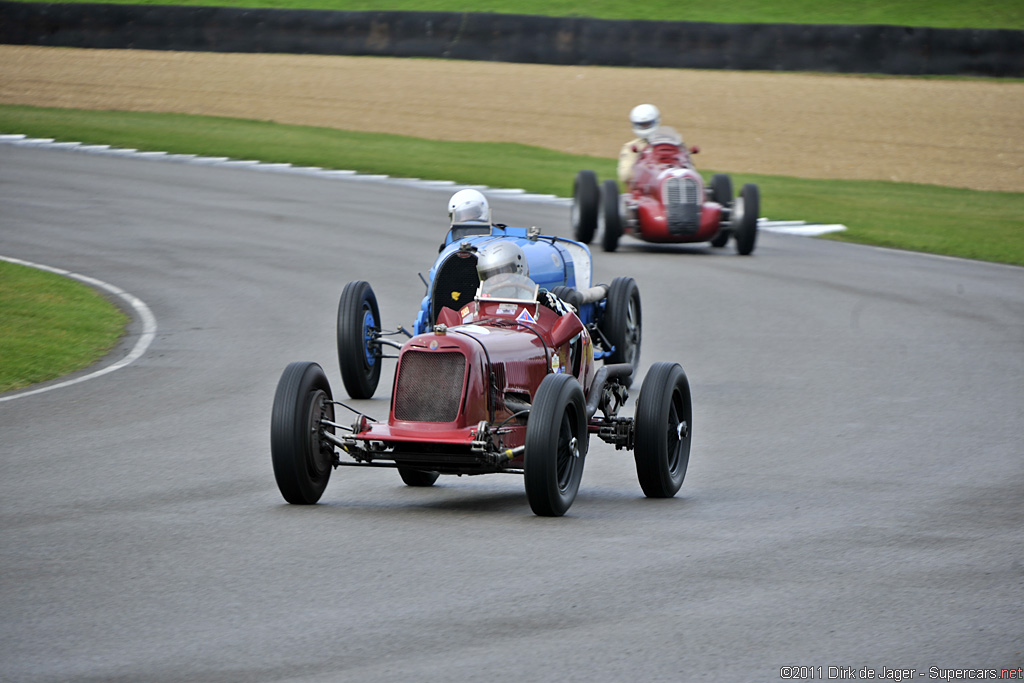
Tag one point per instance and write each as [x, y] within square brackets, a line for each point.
[519, 38]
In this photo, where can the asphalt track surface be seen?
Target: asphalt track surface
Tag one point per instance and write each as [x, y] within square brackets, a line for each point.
[855, 495]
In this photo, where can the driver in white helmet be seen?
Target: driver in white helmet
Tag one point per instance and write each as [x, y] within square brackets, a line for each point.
[505, 274]
[469, 214]
[645, 119]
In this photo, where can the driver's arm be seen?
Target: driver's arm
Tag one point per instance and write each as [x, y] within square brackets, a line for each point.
[627, 159]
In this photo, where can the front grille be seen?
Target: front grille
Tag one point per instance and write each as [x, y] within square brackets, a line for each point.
[455, 283]
[429, 386]
[682, 205]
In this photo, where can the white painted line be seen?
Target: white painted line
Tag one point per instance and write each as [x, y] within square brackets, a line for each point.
[806, 230]
[515, 194]
[141, 344]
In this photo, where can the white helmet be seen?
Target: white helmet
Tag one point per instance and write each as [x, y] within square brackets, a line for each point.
[468, 206]
[644, 119]
[501, 256]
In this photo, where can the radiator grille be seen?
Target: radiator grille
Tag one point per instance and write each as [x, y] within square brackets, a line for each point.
[682, 205]
[429, 386]
[455, 283]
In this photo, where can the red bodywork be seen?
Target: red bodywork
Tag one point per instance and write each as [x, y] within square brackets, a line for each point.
[667, 201]
[476, 367]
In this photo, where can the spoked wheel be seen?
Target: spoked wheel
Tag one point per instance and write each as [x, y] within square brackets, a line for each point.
[585, 200]
[358, 326]
[721, 193]
[610, 214]
[413, 477]
[302, 458]
[556, 445]
[748, 206]
[664, 427]
[622, 321]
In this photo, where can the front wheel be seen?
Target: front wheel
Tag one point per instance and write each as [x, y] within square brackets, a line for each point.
[556, 445]
[302, 458]
[358, 327]
[664, 427]
[585, 202]
[610, 213]
[622, 322]
[748, 206]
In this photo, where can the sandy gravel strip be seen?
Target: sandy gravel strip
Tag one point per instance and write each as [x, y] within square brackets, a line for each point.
[960, 133]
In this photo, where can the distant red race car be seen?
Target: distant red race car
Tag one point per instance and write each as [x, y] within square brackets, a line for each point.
[667, 202]
[506, 384]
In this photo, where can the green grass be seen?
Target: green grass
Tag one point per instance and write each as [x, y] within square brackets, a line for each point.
[954, 222]
[932, 13]
[987, 226]
[50, 326]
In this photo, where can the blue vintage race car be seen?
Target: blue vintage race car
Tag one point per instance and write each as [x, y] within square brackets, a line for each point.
[611, 313]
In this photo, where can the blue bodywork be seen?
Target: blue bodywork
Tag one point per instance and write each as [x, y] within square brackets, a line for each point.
[553, 261]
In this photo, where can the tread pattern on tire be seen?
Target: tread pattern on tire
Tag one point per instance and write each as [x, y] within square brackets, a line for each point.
[290, 441]
[559, 395]
[360, 378]
[665, 389]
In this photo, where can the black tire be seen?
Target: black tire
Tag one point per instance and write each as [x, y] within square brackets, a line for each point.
[721, 193]
[662, 449]
[721, 189]
[748, 204]
[622, 322]
[302, 459]
[358, 322]
[413, 477]
[610, 215]
[585, 201]
[556, 445]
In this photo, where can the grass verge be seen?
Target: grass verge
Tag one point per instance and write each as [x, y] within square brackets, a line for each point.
[931, 13]
[941, 220]
[51, 325]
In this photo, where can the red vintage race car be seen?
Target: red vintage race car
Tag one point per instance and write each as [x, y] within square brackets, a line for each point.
[666, 202]
[506, 384]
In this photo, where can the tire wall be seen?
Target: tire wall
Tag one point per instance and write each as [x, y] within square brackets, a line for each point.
[520, 38]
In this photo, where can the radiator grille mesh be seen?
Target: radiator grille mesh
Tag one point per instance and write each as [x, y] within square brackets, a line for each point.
[429, 386]
[682, 205]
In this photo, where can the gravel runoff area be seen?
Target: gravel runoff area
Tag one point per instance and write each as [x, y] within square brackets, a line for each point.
[960, 133]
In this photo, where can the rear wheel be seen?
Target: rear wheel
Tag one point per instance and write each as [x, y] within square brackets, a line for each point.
[417, 477]
[622, 322]
[585, 201]
[610, 213]
[302, 458]
[358, 326]
[721, 193]
[748, 205]
[556, 445]
[664, 419]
